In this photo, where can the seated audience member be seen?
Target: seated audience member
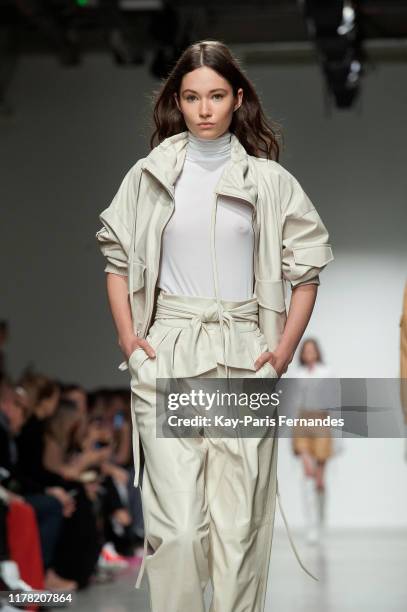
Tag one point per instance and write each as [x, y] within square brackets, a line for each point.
[46, 502]
[78, 545]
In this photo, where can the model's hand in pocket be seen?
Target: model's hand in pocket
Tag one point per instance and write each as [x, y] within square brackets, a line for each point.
[279, 362]
[266, 356]
[279, 359]
[130, 344]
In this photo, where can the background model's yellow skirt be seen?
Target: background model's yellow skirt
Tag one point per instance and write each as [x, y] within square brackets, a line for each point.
[208, 503]
[317, 440]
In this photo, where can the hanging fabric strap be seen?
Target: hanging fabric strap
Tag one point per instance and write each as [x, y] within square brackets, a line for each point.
[290, 536]
[145, 550]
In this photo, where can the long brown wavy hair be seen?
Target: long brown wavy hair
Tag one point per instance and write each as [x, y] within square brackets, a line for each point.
[258, 136]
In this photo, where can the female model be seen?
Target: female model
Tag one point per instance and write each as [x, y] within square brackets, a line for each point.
[199, 240]
[314, 446]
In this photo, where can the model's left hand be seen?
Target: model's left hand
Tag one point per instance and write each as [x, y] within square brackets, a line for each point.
[279, 361]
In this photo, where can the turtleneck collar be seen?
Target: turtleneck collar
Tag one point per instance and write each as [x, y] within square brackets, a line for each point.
[200, 149]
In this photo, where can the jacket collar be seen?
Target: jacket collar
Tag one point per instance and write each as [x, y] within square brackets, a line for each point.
[166, 160]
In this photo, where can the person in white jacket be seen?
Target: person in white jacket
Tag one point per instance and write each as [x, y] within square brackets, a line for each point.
[199, 239]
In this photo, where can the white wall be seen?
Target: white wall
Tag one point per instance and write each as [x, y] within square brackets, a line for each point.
[63, 154]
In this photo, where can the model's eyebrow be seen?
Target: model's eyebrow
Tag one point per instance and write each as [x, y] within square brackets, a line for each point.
[211, 91]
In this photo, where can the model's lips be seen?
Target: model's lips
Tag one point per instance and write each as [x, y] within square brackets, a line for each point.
[206, 124]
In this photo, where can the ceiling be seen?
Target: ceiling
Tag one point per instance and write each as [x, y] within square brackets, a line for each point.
[277, 25]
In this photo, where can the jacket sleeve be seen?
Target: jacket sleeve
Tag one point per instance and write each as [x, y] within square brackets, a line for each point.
[114, 237]
[305, 240]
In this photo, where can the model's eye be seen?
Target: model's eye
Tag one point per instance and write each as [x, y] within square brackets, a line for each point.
[218, 96]
[190, 98]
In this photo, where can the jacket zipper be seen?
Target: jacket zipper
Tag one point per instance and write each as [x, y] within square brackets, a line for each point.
[149, 308]
[254, 223]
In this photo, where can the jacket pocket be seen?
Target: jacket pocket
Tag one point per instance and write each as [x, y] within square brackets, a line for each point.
[317, 256]
[270, 294]
[138, 297]
[138, 276]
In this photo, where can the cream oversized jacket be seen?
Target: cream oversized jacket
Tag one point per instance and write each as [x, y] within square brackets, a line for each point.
[291, 241]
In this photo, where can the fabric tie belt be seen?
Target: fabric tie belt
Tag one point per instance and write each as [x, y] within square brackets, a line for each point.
[195, 354]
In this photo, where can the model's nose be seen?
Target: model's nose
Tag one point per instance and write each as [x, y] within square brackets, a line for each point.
[204, 110]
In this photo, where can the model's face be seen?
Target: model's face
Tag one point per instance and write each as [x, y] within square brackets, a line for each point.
[207, 102]
[310, 354]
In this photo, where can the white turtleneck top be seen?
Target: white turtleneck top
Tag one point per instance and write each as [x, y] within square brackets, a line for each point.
[186, 259]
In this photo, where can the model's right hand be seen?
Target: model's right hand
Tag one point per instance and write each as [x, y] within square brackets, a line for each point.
[128, 345]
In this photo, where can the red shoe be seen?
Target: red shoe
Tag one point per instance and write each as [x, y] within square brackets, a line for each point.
[109, 558]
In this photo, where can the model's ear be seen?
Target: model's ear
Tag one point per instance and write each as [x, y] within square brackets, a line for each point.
[176, 100]
[239, 99]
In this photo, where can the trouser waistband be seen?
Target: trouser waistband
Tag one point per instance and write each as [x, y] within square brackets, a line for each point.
[205, 307]
[200, 313]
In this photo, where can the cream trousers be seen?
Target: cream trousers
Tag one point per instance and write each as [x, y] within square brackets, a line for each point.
[208, 503]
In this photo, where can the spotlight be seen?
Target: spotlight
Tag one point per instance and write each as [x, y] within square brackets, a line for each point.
[334, 27]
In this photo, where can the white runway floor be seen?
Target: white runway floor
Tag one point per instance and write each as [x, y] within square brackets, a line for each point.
[359, 571]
